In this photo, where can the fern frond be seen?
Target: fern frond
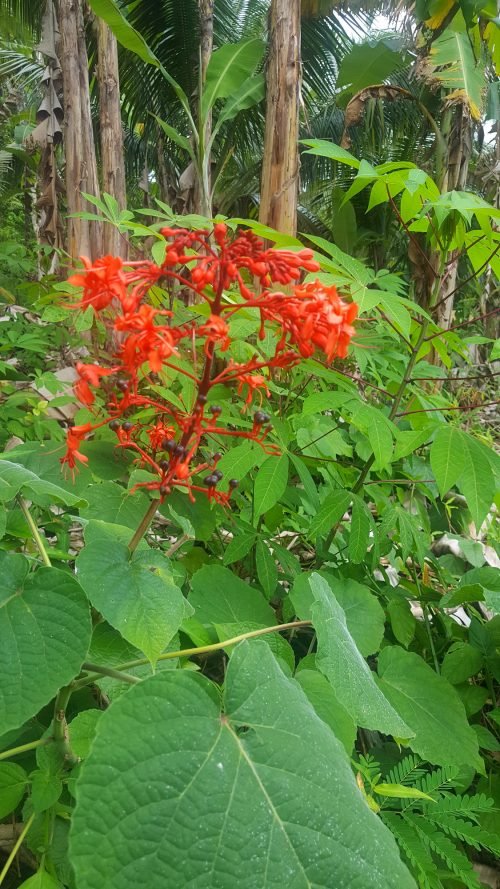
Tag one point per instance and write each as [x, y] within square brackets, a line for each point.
[472, 834]
[442, 846]
[407, 771]
[438, 780]
[463, 806]
[415, 850]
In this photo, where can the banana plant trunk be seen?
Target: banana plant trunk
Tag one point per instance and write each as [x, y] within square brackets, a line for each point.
[84, 236]
[203, 187]
[280, 170]
[111, 133]
[454, 178]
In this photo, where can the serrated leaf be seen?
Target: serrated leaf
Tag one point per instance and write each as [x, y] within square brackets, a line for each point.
[342, 663]
[476, 483]
[247, 763]
[239, 547]
[360, 531]
[237, 462]
[431, 706]
[447, 457]
[270, 483]
[45, 632]
[332, 509]
[136, 594]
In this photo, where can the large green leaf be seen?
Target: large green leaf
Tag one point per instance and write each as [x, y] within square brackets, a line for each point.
[45, 632]
[250, 93]
[331, 150]
[452, 63]
[15, 478]
[259, 798]
[126, 35]
[323, 698]
[432, 707]
[368, 63]
[447, 457]
[361, 523]
[270, 483]
[228, 69]
[364, 614]
[342, 663]
[220, 597]
[109, 502]
[136, 594]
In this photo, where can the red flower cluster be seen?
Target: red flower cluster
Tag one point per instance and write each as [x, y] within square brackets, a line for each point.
[167, 437]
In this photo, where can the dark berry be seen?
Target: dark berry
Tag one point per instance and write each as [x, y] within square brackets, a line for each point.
[179, 450]
[215, 409]
[217, 474]
[202, 399]
[122, 385]
[168, 444]
[260, 417]
[233, 482]
[128, 426]
[216, 457]
[211, 481]
[114, 425]
[164, 464]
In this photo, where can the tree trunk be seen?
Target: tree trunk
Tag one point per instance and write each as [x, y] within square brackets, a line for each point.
[84, 236]
[203, 186]
[111, 133]
[280, 171]
[454, 179]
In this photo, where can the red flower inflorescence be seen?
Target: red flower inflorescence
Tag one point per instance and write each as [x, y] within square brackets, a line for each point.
[168, 438]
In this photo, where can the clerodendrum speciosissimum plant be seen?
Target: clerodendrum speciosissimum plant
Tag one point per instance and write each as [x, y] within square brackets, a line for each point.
[307, 317]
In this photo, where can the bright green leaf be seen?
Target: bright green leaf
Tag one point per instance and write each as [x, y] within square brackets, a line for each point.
[146, 786]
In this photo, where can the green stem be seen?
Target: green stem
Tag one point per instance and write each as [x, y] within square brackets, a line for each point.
[431, 640]
[143, 526]
[60, 726]
[186, 652]
[108, 671]
[24, 748]
[15, 849]
[37, 537]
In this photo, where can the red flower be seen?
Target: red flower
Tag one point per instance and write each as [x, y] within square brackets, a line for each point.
[216, 331]
[158, 426]
[74, 438]
[102, 282]
[90, 375]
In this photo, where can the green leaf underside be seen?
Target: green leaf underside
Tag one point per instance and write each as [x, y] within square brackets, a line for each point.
[431, 706]
[344, 666]
[136, 595]
[261, 797]
[45, 632]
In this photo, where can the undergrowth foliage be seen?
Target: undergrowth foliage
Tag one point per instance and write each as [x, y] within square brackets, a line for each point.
[250, 633]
